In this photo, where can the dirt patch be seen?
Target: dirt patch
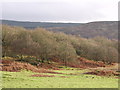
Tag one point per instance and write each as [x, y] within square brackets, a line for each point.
[14, 66]
[79, 63]
[54, 64]
[85, 63]
[6, 62]
[55, 73]
[49, 66]
[72, 74]
[103, 73]
[90, 63]
[117, 77]
[63, 76]
[40, 75]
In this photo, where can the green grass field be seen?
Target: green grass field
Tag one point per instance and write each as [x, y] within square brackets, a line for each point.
[23, 79]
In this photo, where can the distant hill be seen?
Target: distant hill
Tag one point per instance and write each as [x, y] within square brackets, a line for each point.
[31, 25]
[107, 29]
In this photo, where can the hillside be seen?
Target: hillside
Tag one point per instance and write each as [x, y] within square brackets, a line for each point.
[31, 25]
[107, 29]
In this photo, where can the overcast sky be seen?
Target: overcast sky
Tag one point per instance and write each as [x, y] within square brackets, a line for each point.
[60, 10]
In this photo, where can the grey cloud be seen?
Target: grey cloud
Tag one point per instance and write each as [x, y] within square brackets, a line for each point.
[55, 11]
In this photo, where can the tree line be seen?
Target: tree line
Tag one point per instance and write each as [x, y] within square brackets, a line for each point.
[43, 45]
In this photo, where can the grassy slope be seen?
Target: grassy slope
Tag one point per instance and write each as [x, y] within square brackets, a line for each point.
[23, 80]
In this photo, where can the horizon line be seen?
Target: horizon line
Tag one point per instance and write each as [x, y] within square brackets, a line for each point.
[56, 21]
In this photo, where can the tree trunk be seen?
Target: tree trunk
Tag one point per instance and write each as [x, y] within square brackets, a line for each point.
[21, 57]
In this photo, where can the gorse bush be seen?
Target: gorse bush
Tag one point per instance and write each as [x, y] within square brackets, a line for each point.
[45, 45]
